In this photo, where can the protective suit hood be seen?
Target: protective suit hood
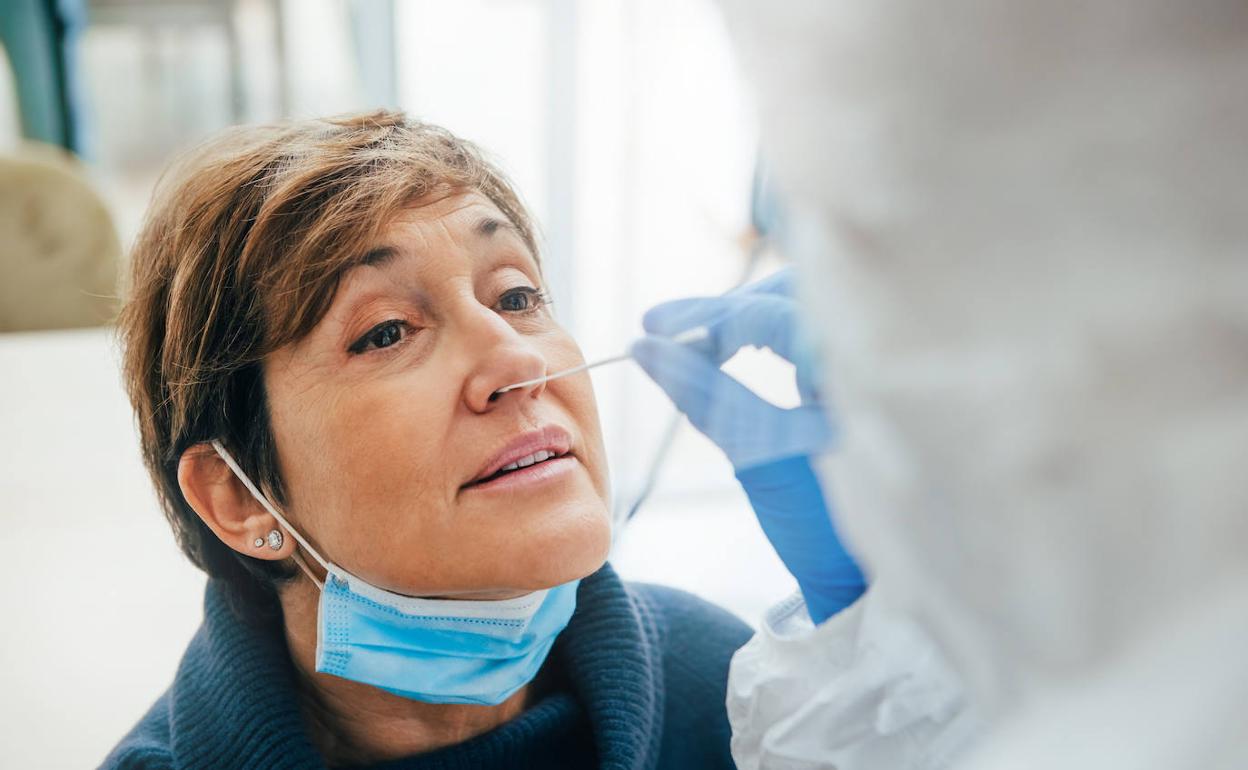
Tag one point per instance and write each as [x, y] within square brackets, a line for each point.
[1025, 231]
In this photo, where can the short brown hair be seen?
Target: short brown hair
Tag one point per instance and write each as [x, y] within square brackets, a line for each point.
[241, 252]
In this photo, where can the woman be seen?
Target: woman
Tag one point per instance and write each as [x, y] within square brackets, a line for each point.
[321, 317]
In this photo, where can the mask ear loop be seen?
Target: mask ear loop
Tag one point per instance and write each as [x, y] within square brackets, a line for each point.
[303, 565]
[264, 501]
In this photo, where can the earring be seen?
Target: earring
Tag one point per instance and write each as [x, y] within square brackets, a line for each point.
[275, 539]
[258, 542]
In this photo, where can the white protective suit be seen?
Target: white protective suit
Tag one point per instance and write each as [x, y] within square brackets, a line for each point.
[1024, 231]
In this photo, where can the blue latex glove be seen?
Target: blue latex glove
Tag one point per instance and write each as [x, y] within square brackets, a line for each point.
[769, 446]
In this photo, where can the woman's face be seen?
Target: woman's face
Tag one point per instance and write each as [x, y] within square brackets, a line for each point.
[389, 438]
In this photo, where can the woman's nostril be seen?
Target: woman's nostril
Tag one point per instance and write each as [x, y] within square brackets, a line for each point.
[494, 396]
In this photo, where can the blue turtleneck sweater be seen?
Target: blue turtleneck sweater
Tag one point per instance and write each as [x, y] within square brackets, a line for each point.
[636, 680]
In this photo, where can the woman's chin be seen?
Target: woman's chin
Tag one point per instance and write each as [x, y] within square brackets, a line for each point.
[535, 541]
[574, 550]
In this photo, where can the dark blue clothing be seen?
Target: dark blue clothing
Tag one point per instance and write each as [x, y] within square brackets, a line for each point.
[636, 680]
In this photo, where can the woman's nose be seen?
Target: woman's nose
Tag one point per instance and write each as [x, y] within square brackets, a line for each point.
[504, 359]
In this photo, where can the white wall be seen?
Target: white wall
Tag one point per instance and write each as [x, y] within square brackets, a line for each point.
[9, 127]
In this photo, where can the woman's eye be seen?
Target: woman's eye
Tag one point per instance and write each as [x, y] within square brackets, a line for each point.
[382, 335]
[522, 299]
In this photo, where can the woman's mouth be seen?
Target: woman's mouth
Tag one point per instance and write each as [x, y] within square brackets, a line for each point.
[532, 458]
[537, 468]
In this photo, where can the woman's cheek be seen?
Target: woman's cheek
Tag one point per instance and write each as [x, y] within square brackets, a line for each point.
[583, 409]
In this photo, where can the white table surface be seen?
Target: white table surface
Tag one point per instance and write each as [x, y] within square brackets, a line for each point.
[98, 603]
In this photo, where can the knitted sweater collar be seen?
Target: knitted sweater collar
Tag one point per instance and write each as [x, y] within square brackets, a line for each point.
[234, 701]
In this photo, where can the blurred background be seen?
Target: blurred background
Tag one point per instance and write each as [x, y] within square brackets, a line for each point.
[624, 124]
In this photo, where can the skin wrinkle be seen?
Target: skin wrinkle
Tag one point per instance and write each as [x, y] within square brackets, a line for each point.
[374, 449]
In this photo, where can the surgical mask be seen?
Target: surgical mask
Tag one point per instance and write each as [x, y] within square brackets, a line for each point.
[431, 650]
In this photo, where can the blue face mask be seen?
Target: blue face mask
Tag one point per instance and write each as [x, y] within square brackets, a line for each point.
[432, 650]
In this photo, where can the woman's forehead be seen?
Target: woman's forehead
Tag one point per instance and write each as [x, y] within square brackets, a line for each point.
[469, 219]
[469, 222]
[460, 209]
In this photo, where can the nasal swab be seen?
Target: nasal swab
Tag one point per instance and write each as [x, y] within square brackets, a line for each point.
[696, 334]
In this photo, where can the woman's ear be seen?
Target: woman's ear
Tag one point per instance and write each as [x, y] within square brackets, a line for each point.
[227, 508]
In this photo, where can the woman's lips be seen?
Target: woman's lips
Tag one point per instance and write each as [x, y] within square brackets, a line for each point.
[532, 449]
[535, 475]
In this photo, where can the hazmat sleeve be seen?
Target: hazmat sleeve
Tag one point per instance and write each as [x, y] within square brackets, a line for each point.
[865, 689]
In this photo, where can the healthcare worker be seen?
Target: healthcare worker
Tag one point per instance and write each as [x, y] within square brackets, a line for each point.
[783, 678]
[1021, 230]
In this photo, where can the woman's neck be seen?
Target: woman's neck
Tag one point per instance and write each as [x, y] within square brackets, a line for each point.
[354, 723]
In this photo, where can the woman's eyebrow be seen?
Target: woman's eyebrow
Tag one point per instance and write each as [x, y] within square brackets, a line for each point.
[377, 257]
[382, 256]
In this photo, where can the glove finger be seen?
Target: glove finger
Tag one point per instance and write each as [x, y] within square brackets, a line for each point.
[768, 321]
[683, 374]
[762, 320]
[675, 316]
[669, 318]
[750, 430]
[723, 409]
[779, 283]
[733, 322]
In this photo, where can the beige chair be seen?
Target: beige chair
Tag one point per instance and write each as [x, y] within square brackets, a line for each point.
[59, 251]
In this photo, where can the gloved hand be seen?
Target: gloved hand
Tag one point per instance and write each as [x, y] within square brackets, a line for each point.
[769, 447]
